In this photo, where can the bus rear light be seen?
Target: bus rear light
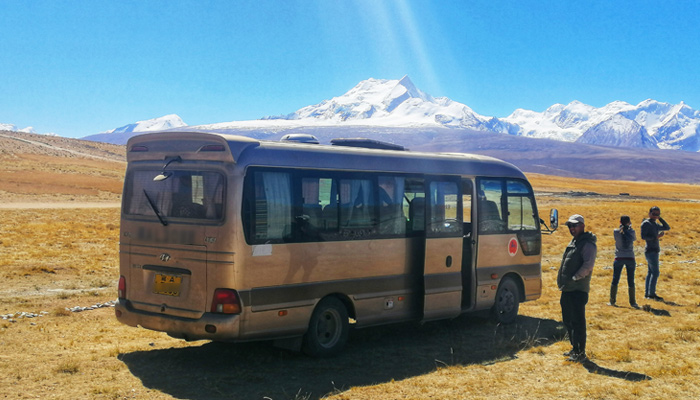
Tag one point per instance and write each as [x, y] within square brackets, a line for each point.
[121, 287]
[226, 301]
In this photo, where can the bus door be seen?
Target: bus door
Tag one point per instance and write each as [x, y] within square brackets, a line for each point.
[442, 267]
[468, 243]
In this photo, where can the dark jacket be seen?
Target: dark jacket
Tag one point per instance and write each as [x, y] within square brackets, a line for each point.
[624, 242]
[650, 233]
[572, 261]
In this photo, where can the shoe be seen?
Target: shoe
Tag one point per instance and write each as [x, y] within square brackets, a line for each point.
[568, 353]
[635, 305]
[611, 304]
[577, 357]
[657, 298]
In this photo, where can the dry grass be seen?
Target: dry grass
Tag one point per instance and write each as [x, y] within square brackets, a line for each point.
[53, 259]
[29, 177]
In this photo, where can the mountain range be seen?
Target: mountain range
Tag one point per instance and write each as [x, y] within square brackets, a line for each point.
[618, 141]
[385, 103]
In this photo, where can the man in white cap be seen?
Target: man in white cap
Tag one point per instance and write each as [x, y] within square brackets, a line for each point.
[574, 281]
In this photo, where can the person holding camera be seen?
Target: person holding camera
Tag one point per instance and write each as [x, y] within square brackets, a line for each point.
[653, 229]
[624, 258]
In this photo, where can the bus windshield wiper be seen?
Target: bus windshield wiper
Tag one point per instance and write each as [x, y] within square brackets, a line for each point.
[155, 209]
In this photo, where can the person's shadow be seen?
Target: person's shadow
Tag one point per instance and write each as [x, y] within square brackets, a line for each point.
[656, 311]
[626, 375]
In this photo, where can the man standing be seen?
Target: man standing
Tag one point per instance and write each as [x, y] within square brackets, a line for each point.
[651, 232]
[574, 281]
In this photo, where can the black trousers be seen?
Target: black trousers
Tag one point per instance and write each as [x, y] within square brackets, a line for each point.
[573, 313]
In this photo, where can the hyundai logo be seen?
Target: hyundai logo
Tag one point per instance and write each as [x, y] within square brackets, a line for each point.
[165, 257]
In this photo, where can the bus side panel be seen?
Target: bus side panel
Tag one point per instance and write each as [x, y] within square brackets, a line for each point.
[443, 278]
[294, 277]
[496, 257]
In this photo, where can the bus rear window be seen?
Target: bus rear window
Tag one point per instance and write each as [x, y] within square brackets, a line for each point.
[184, 194]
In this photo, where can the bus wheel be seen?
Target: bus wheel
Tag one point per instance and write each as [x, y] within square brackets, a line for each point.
[328, 329]
[507, 302]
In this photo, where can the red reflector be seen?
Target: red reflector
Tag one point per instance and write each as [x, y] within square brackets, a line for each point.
[139, 148]
[494, 276]
[226, 301]
[494, 287]
[401, 298]
[121, 288]
[212, 147]
[282, 313]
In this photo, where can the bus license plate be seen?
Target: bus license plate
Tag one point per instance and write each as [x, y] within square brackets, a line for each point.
[168, 285]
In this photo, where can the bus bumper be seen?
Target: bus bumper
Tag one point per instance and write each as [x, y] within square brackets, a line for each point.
[209, 326]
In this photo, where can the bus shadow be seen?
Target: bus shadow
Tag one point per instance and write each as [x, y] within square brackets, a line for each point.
[373, 355]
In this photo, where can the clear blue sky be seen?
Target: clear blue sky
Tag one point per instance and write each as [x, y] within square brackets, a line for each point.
[78, 67]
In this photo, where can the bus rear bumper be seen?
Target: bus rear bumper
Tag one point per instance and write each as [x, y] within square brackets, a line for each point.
[209, 326]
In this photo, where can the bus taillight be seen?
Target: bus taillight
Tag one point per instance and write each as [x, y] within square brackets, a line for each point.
[226, 301]
[121, 288]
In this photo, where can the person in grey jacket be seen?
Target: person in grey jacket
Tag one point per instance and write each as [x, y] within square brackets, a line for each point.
[624, 258]
[653, 229]
[574, 282]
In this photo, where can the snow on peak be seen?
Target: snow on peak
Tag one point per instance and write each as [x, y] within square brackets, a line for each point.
[156, 124]
[384, 102]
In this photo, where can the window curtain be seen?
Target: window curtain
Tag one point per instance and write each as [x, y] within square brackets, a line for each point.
[279, 204]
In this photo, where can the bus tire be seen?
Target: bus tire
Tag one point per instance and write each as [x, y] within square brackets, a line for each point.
[505, 308]
[328, 329]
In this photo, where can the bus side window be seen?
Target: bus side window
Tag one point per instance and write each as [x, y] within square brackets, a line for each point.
[392, 221]
[414, 206]
[444, 209]
[467, 207]
[273, 207]
[522, 215]
[490, 203]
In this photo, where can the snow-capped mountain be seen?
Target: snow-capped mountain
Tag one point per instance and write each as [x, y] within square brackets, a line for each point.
[399, 103]
[12, 127]
[381, 103]
[122, 134]
[155, 124]
[648, 124]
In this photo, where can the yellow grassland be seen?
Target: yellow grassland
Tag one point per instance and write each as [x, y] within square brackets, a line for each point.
[58, 258]
[45, 178]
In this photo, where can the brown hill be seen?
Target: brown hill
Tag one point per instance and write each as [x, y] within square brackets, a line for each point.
[41, 169]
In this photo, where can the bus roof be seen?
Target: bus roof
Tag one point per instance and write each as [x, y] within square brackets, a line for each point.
[245, 151]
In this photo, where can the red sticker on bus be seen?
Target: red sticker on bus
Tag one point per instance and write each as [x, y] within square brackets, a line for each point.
[513, 247]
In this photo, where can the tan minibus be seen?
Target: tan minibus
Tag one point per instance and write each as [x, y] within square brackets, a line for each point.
[228, 238]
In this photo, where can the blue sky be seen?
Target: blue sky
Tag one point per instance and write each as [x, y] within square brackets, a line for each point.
[77, 67]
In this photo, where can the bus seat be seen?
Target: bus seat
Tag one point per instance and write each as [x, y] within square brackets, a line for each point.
[329, 217]
[416, 214]
[314, 212]
[489, 210]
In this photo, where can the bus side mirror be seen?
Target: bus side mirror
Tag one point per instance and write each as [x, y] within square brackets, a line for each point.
[554, 219]
[553, 222]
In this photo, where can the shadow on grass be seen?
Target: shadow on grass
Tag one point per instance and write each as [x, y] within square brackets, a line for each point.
[628, 376]
[373, 355]
[656, 311]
